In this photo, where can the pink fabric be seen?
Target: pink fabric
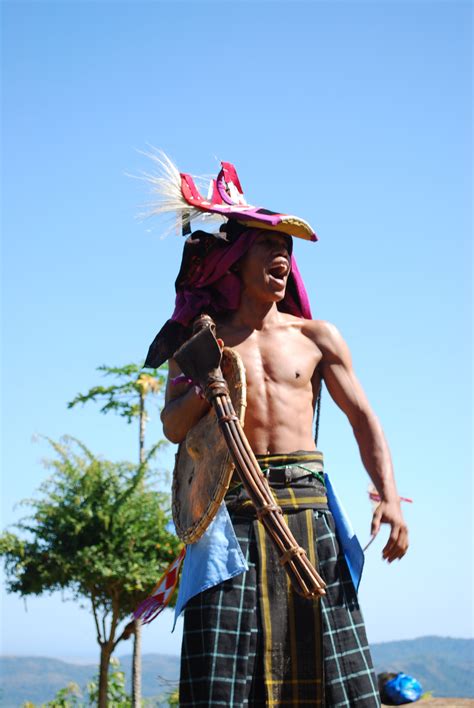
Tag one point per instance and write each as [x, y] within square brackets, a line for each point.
[303, 308]
[215, 286]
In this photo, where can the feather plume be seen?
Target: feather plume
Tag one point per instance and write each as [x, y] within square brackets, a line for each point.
[165, 187]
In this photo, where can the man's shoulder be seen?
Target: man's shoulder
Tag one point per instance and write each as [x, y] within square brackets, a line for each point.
[323, 333]
[317, 327]
[329, 341]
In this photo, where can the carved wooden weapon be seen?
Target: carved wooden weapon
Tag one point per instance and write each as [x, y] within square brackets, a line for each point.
[200, 359]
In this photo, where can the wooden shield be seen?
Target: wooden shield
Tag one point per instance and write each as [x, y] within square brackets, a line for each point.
[203, 466]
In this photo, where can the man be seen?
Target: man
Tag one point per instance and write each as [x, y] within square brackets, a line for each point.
[251, 640]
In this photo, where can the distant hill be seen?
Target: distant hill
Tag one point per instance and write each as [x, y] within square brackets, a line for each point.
[442, 665]
[38, 679]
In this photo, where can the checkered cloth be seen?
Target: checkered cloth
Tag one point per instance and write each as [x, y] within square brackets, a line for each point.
[349, 676]
[225, 654]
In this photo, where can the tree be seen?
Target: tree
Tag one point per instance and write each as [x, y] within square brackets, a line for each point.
[97, 529]
[116, 693]
[173, 698]
[128, 397]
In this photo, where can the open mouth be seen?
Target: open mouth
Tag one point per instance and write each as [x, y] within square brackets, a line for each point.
[279, 269]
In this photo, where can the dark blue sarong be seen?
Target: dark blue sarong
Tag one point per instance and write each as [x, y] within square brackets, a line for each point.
[252, 641]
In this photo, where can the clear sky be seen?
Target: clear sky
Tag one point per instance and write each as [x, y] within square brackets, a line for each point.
[354, 115]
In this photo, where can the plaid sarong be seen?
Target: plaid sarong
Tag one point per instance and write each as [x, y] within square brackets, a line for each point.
[251, 641]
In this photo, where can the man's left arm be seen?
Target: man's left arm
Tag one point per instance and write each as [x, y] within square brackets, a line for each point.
[337, 371]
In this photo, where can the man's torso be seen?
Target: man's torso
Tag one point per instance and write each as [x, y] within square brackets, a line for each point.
[281, 363]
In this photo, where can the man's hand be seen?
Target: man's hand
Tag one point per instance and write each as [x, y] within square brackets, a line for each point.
[397, 544]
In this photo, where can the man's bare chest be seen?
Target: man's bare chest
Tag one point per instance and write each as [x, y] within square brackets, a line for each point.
[285, 358]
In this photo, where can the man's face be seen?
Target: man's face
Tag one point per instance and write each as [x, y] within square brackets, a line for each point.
[265, 268]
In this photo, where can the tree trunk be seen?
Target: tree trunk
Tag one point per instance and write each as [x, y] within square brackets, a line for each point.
[105, 654]
[137, 666]
[141, 432]
[137, 638]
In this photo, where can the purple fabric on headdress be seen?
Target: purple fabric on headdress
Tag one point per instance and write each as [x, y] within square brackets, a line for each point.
[214, 285]
[302, 308]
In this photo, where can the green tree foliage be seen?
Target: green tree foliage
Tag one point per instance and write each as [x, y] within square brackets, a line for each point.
[124, 396]
[99, 530]
[173, 698]
[68, 697]
[128, 397]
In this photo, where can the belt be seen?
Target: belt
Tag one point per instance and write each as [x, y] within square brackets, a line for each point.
[295, 487]
[285, 475]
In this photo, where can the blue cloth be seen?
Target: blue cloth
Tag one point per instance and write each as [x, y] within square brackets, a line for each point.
[215, 557]
[402, 689]
[345, 534]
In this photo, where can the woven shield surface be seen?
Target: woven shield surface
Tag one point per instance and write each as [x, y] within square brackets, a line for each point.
[203, 466]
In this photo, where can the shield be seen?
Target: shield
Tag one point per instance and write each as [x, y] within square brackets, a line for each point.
[203, 466]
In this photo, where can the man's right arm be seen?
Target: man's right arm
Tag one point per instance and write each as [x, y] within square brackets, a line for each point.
[183, 406]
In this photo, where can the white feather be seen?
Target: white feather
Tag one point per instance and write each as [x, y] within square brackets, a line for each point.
[165, 188]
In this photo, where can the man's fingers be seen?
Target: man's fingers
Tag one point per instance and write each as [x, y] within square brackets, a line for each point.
[397, 544]
[391, 543]
[402, 543]
[376, 519]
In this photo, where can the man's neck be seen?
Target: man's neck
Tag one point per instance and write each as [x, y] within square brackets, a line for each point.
[253, 314]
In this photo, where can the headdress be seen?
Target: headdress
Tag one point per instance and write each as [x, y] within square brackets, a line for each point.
[205, 280]
[177, 192]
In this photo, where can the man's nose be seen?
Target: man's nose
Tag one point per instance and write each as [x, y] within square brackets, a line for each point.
[281, 249]
[284, 246]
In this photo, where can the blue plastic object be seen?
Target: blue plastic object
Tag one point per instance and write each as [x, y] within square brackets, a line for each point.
[401, 689]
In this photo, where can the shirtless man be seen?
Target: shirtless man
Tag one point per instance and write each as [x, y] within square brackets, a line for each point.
[286, 358]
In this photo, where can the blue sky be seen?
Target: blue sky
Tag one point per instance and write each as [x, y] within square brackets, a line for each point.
[354, 115]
